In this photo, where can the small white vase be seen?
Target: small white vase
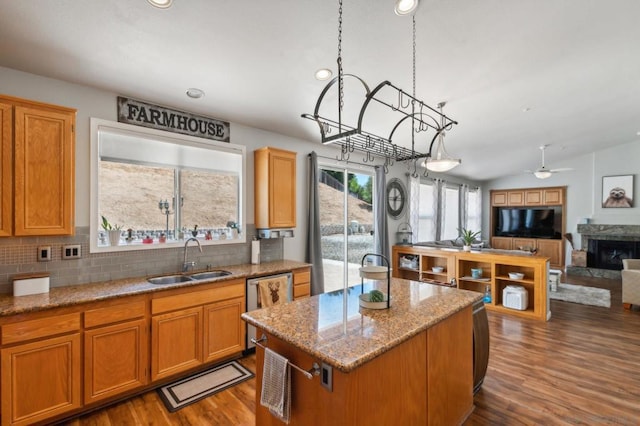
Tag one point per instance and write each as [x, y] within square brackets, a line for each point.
[114, 237]
[466, 248]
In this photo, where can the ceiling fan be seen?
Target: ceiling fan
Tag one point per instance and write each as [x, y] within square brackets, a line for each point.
[543, 172]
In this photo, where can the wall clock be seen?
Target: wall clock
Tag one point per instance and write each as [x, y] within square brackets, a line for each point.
[396, 198]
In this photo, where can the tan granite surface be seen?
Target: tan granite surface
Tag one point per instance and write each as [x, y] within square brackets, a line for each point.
[73, 295]
[319, 326]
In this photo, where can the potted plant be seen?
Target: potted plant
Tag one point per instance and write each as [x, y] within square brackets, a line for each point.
[468, 238]
[112, 230]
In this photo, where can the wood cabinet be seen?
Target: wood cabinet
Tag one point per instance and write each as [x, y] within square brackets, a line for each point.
[502, 243]
[301, 283]
[495, 277]
[41, 141]
[552, 196]
[275, 188]
[116, 350]
[417, 264]
[6, 172]
[40, 369]
[189, 328]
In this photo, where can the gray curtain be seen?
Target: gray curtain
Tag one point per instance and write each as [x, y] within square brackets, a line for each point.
[438, 206]
[314, 237]
[380, 230]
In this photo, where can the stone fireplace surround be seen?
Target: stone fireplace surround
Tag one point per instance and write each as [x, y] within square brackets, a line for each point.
[630, 233]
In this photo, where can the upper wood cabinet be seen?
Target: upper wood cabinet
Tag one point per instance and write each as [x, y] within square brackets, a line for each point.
[553, 196]
[6, 172]
[41, 140]
[275, 188]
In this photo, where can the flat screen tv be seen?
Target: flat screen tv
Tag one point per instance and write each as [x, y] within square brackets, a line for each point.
[526, 222]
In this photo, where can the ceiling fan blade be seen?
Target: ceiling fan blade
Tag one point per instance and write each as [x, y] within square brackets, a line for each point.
[562, 169]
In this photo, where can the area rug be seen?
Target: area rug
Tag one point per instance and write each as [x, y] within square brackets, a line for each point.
[201, 385]
[582, 294]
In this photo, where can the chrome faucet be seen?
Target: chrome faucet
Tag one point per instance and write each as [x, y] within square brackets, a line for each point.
[185, 264]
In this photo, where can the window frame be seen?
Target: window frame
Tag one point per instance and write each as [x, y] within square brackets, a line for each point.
[98, 125]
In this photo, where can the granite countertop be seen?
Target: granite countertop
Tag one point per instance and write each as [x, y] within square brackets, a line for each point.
[318, 326]
[83, 293]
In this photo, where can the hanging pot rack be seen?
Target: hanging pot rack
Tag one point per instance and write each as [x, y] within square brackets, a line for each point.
[355, 138]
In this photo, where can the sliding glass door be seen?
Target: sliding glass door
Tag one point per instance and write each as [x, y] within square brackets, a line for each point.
[346, 223]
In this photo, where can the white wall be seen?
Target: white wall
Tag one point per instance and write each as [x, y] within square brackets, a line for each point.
[584, 187]
[91, 102]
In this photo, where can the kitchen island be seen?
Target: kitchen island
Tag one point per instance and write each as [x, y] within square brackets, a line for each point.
[410, 364]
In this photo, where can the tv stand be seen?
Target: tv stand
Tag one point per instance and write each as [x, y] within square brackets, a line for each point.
[552, 248]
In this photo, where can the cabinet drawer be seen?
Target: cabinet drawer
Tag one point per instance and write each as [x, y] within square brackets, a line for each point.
[301, 277]
[43, 327]
[197, 298]
[302, 290]
[113, 314]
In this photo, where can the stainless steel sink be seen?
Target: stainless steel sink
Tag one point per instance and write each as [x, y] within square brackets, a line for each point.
[170, 279]
[209, 274]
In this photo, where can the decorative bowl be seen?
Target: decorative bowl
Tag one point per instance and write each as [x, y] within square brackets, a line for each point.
[437, 269]
[366, 303]
[516, 275]
[372, 272]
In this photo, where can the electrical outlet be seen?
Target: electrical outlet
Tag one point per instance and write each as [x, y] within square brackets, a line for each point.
[72, 251]
[44, 253]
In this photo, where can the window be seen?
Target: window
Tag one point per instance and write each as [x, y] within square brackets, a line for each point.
[164, 186]
[474, 210]
[426, 215]
[451, 213]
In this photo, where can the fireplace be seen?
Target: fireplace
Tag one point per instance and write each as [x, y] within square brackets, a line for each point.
[608, 254]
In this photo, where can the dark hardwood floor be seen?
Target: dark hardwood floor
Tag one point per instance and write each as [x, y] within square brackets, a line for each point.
[580, 368]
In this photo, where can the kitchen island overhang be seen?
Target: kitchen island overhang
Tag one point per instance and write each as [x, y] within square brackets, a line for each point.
[413, 362]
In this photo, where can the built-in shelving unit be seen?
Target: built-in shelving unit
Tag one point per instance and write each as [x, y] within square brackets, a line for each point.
[495, 275]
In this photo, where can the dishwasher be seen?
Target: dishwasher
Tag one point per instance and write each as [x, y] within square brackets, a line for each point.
[252, 300]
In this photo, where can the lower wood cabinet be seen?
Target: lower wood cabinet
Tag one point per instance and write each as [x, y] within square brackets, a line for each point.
[116, 350]
[42, 378]
[223, 334]
[176, 342]
[301, 283]
[188, 329]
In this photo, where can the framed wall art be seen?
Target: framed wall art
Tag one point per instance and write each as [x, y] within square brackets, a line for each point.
[617, 191]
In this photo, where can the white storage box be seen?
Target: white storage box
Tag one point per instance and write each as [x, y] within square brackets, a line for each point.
[31, 284]
[515, 297]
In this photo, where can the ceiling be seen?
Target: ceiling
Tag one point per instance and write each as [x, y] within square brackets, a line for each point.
[514, 74]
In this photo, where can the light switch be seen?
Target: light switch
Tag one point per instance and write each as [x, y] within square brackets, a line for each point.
[44, 253]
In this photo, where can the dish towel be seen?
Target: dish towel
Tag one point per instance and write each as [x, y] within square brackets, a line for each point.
[272, 291]
[276, 385]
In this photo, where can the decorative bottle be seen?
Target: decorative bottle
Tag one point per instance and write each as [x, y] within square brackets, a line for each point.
[487, 294]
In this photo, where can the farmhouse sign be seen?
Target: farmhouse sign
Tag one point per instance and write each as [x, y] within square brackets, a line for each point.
[141, 113]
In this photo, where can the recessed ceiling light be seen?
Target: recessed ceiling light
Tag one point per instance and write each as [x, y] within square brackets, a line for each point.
[323, 74]
[195, 93]
[526, 109]
[161, 4]
[405, 7]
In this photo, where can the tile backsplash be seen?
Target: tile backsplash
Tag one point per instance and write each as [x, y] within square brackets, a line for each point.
[19, 256]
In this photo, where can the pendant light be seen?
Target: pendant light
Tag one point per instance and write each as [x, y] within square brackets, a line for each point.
[440, 160]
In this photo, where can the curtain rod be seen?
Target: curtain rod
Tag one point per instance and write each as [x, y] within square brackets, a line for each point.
[446, 181]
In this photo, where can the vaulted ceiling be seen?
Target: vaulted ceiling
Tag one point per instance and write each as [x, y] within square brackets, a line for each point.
[515, 74]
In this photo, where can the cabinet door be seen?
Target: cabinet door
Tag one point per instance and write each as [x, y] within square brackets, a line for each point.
[524, 243]
[282, 190]
[44, 172]
[499, 198]
[551, 249]
[40, 380]
[6, 172]
[516, 198]
[504, 243]
[275, 188]
[553, 196]
[533, 197]
[176, 342]
[115, 359]
[224, 331]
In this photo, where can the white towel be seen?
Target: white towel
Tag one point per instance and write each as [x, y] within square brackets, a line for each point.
[276, 385]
